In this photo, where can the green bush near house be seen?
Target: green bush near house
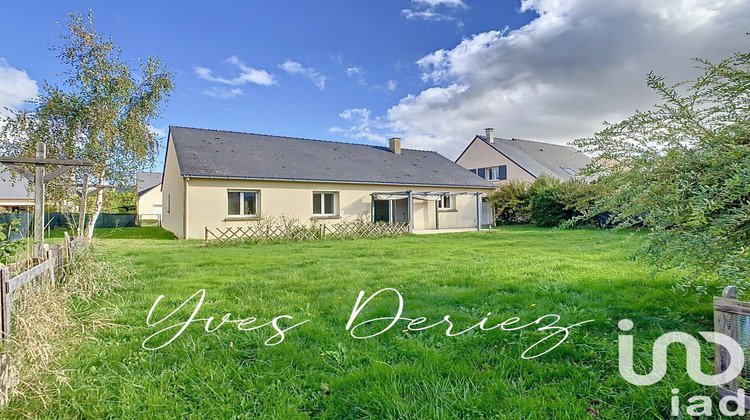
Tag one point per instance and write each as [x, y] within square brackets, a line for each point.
[547, 202]
[511, 203]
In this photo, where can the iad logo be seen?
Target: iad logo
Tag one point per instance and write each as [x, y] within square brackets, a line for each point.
[659, 368]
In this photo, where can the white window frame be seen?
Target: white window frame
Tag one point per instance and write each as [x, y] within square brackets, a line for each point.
[242, 208]
[323, 204]
[451, 203]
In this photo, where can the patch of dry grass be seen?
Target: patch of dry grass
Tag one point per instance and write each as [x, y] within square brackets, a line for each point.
[49, 322]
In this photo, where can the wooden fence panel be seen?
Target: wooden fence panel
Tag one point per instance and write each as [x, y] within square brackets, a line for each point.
[262, 233]
[732, 318]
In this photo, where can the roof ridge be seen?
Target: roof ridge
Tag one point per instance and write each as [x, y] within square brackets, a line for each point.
[294, 138]
[535, 141]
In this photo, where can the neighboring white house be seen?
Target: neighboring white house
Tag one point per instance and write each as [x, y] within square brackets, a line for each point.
[15, 195]
[497, 160]
[218, 179]
[148, 197]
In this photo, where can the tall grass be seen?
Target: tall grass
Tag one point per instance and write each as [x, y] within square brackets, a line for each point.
[50, 322]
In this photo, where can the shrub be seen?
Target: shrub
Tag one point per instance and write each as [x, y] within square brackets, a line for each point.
[547, 202]
[8, 247]
[511, 203]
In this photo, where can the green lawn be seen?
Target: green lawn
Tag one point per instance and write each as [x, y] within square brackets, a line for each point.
[320, 371]
[146, 232]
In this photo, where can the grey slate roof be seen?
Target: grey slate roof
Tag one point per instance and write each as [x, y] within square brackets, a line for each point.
[224, 154]
[538, 158]
[147, 181]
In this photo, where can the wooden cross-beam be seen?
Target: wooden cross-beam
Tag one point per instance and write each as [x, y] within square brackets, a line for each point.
[39, 179]
[44, 161]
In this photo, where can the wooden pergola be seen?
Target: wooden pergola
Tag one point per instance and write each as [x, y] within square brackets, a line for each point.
[39, 178]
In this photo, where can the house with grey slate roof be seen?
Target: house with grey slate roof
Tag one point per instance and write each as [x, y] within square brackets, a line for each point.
[219, 179]
[15, 195]
[498, 160]
[148, 196]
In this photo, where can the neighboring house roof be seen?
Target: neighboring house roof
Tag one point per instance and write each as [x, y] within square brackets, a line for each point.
[224, 154]
[538, 158]
[147, 181]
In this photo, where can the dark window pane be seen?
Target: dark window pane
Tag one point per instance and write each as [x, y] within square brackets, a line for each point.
[316, 204]
[480, 172]
[474, 171]
[503, 172]
[249, 207]
[329, 204]
[234, 203]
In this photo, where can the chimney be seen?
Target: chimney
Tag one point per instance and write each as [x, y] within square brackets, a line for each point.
[489, 135]
[395, 145]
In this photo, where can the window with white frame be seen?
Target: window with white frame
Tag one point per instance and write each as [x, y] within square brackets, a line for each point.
[447, 202]
[497, 173]
[325, 203]
[242, 203]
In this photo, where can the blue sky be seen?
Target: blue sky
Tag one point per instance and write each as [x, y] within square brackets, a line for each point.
[434, 72]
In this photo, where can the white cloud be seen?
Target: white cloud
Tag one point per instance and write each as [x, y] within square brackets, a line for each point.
[354, 71]
[428, 10]
[222, 93]
[16, 87]
[391, 85]
[433, 3]
[293, 67]
[158, 132]
[578, 63]
[362, 126]
[247, 74]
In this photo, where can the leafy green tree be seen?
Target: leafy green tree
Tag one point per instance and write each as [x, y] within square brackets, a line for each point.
[683, 170]
[101, 113]
[119, 201]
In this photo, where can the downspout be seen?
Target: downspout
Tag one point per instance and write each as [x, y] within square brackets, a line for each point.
[185, 209]
[410, 210]
[479, 210]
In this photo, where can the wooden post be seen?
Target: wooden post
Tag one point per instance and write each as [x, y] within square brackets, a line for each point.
[67, 246]
[39, 198]
[6, 382]
[4, 303]
[52, 262]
